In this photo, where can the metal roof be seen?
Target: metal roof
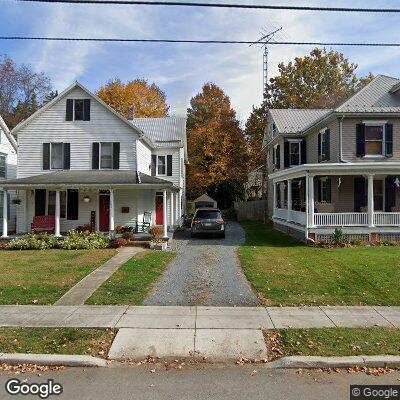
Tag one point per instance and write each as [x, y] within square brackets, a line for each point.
[164, 131]
[89, 177]
[296, 120]
[377, 96]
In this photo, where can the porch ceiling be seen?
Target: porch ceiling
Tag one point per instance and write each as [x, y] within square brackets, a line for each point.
[89, 179]
[361, 168]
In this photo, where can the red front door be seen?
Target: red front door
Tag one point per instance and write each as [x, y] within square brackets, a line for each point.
[159, 210]
[104, 212]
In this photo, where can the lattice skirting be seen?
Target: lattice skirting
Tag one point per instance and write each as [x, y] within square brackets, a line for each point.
[392, 237]
[327, 238]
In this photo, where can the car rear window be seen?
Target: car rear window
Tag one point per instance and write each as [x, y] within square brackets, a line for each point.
[208, 214]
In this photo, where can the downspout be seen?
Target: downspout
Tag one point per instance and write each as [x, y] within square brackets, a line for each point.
[341, 141]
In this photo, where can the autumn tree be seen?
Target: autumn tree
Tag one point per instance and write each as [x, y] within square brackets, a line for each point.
[216, 144]
[22, 91]
[322, 79]
[136, 98]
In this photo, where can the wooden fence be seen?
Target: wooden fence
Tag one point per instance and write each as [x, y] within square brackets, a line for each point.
[252, 210]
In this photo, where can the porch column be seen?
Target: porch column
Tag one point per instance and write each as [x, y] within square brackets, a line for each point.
[165, 222]
[177, 213]
[172, 208]
[310, 200]
[289, 200]
[371, 200]
[5, 216]
[57, 215]
[111, 213]
[274, 205]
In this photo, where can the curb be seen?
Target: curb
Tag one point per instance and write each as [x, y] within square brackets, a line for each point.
[52, 359]
[335, 362]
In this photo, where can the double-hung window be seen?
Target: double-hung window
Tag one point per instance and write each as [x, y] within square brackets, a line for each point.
[56, 156]
[51, 203]
[324, 190]
[3, 166]
[374, 139]
[78, 110]
[294, 153]
[161, 165]
[106, 155]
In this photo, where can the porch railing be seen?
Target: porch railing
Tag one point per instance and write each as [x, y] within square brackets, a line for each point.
[387, 218]
[340, 219]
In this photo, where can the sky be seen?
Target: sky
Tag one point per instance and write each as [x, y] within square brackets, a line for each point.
[182, 69]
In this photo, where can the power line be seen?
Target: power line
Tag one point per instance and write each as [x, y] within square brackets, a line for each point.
[223, 5]
[190, 41]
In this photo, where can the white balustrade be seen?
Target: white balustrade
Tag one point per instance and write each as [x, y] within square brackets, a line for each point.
[341, 219]
[387, 218]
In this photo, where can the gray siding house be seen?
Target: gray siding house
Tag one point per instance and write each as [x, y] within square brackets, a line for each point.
[83, 163]
[337, 168]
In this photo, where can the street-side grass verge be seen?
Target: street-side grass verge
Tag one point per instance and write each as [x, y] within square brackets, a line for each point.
[82, 341]
[133, 281]
[329, 342]
[289, 273]
[43, 276]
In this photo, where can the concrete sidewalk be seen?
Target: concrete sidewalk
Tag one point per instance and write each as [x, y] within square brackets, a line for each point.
[196, 317]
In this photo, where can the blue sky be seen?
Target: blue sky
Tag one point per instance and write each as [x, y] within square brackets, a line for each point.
[181, 69]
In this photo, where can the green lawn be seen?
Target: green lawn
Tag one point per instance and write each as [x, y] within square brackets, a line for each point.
[42, 277]
[287, 272]
[95, 342]
[133, 281]
[337, 341]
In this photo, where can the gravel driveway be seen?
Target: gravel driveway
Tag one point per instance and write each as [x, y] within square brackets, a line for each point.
[205, 272]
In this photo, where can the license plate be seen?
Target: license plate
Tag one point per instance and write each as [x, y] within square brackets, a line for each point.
[207, 224]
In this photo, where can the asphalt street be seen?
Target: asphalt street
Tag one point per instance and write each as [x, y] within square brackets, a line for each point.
[199, 382]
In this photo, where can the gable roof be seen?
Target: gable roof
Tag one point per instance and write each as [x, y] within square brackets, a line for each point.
[4, 128]
[63, 94]
[296, 120]
[377, 96]
[164, 131]
[204, 198]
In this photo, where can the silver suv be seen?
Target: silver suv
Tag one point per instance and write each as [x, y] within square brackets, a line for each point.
[208, 221]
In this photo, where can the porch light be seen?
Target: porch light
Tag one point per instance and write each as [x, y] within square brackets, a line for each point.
[86, 199]
[397, 182]
[339, 182]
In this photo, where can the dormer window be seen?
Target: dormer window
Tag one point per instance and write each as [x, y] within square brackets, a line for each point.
[78, 110]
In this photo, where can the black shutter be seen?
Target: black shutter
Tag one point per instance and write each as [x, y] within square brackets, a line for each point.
[278, 156]
[304, 151]
[327, 149]
[329, 190]
[389, 140]
[319, 184]
[169, 165]
[360, 199]
[95, 155]
[286, 155]
[70, 110]
[46, 156]
[319, 148]
[40, 202]
[153, 165]
[73, 205]
[360, 140]
[390, 193]
[86, 109]
[116, 148]
[67, 155]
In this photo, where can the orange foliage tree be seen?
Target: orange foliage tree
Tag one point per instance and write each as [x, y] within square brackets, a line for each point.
[216, 144]
[136, 98]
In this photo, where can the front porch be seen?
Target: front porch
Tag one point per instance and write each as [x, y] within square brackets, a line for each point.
[115, 200]
[363, 200]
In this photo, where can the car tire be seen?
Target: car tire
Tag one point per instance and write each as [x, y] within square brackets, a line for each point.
[192, 235]
[222, 235]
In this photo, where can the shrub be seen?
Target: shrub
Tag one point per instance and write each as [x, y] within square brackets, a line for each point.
[127, 228]
[156, 232]
[83, 228]
[231, 214]
[119, 229]
[32, 241]
[120, 242]
[338, 237]
[85, 241]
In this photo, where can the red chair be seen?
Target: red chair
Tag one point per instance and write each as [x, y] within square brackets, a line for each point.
[43, 223]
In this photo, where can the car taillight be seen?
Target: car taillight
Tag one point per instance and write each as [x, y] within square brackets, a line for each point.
[220, 222]
[196, 221]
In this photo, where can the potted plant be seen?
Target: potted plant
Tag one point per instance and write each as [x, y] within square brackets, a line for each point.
[157, 242]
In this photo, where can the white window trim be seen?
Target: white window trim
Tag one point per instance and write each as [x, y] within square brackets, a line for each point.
[274, 158]
[62, 156]
[290, 158]
[5, 165]
[324, 179]
[383, 125]
[112, 156]
[323, 133]
[66, 202]
[165, 165]
[83, 111]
